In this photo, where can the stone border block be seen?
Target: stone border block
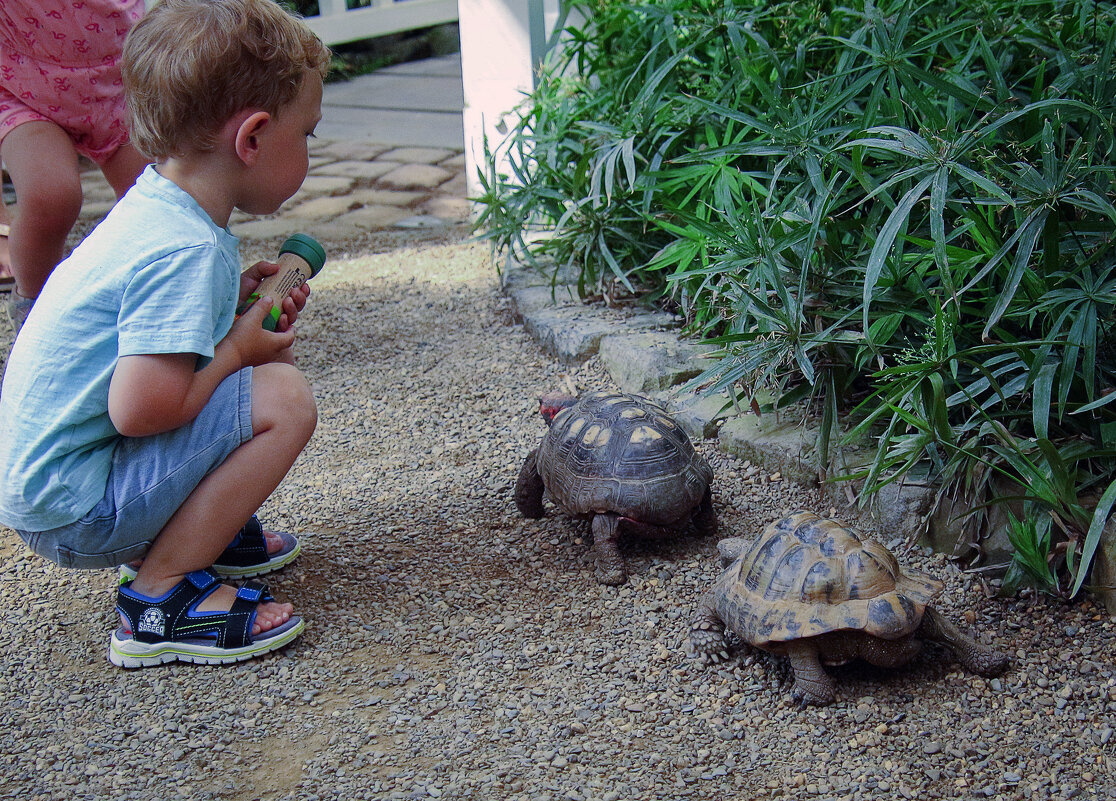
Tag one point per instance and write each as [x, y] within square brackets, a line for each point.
[650, 361]
[567, 332]
[699, 415]
[533, 298]
[775, 445]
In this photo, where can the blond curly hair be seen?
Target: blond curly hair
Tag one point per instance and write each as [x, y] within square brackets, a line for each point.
[190, 65]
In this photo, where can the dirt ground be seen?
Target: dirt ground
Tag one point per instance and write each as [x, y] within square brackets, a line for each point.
[456, 650]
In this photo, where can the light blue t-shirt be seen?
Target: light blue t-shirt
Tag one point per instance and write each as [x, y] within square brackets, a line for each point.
[156, 276]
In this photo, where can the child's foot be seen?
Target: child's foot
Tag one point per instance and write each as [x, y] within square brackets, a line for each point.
[272, 541]
[269, 614]
[253, 552]
[198, 619]
[18, 307]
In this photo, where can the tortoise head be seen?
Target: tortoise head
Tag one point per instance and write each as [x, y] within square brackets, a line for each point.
[731, 549]
[553, 402]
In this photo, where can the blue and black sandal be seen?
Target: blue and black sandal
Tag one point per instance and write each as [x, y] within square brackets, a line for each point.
[170, 628]
[246, 555]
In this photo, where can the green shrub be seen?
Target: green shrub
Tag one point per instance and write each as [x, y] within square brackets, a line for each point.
[901, 212]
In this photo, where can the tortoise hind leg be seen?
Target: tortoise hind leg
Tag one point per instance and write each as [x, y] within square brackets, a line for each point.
[529, 488]
[978, 658]
[812, 685]
[705, 518]
[610, 564]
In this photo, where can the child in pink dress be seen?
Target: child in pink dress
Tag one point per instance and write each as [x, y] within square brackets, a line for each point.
[61, 95]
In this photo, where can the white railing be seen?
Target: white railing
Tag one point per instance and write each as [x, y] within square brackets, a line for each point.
[337, 24]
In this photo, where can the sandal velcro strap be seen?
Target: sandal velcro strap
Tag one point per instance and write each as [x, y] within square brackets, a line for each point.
[174, 617]
[243, 613]
[248, 547]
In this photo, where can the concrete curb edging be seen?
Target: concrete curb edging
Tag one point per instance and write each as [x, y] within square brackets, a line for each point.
[645, 353]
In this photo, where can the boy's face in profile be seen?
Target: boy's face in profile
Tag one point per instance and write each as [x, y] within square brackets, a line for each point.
[284, 149]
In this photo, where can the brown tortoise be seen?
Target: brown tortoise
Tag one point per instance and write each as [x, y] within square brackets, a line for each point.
[813, 591]
[616, 459]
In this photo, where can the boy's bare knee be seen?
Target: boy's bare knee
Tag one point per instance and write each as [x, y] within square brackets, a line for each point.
[281, 396]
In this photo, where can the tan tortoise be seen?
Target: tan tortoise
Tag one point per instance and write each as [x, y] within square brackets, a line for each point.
[618, 460]
[813, 591]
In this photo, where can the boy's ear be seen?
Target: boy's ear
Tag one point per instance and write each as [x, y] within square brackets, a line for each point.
[248, 136]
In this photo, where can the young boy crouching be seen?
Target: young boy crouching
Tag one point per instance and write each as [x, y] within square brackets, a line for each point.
[139, 419]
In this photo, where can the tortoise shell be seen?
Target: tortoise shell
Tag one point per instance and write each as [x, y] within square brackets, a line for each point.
[614, 452]
[806, 576]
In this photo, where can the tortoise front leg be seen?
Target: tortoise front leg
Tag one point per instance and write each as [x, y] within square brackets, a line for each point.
[978, 658]
[610, 564]
[529, 488]
[705, 518]
[812, 684]
[707, 633]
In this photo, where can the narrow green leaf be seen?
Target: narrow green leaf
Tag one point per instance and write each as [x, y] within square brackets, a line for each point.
[1092, 538]
[1040, 408]
[886, 238]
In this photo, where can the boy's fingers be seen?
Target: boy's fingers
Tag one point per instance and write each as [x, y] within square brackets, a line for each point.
[262, 269]
[261, 308]
[288, 338]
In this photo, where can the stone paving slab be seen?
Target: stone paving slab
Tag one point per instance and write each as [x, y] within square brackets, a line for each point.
[413, 92]
[352, 168]
[395, 126]
[416, 176]
[534, 298]
[346, 150]
[419, 155]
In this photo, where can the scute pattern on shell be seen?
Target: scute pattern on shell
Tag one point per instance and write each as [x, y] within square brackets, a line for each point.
[622, 453]
[806, 576]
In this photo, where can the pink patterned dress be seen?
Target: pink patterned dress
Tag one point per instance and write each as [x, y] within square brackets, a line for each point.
[59, 62]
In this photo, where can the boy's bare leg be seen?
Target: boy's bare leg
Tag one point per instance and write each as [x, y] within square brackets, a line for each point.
[283, 418]
[43, 165]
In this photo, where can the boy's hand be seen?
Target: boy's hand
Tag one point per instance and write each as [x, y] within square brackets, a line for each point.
[292, 304]
[254, 344]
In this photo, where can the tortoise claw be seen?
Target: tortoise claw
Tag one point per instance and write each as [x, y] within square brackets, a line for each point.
[613, 578]
[804, 697]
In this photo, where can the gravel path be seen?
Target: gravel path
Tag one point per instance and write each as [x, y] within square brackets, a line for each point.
[456, 650]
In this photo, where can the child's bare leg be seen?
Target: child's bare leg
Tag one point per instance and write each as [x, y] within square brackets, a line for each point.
[283, 418]
[123, 168]
[43, 165]
[5, 256]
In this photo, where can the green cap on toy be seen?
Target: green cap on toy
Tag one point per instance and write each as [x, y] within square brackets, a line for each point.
[306, 248]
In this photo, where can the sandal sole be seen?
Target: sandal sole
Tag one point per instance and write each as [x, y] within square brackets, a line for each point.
[128, 653]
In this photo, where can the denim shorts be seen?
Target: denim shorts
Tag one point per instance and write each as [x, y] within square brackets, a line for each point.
[150, 478]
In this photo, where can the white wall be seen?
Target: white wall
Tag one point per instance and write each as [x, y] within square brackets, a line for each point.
[502, 44]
